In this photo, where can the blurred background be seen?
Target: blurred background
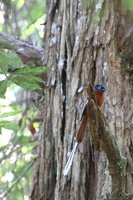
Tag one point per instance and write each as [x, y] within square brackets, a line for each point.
[19, 117]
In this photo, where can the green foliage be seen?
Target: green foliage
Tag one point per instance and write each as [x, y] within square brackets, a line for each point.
[33, 19]
[30, 15]
[24, 19]
[17, 192]
[27, 77]
[128, 4]
[16, 157]
[15, 72]
[9, 125]
[9, 58]
[20, 139]
[3, 87]
[32, 71]
[26, 82]
[8, 114]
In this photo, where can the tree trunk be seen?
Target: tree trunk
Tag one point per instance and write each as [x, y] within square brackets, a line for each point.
[84, 43]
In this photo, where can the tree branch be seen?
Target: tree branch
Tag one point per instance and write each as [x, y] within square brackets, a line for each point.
[29, 54]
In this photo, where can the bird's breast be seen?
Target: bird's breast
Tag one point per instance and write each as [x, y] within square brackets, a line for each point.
[99, 98]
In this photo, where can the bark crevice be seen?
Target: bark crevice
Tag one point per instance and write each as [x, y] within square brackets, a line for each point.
[63, 102]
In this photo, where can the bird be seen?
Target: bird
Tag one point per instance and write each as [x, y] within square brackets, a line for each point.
[99, 94]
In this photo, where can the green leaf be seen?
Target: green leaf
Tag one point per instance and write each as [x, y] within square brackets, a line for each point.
[27, 82]
[9, 58]
[3, 62]
[36, 79]
[24, 139]
[9, 125]
[8, 114]
[31, 70]
[3, 87]
[21, 139]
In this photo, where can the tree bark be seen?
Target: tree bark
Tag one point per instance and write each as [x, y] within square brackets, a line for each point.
[84, 43]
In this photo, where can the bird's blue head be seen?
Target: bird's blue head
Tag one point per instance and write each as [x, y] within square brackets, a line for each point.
[100, 87]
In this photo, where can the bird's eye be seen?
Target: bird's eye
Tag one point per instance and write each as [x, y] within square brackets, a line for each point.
[99, 88]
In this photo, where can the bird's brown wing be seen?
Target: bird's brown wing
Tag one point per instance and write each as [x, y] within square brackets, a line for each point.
[84, 121]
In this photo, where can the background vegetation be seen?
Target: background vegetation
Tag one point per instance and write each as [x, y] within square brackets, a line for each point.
[19, 98]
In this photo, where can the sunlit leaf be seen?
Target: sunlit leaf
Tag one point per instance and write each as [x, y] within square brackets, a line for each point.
[25, 139]
[36, 79]
[26, 82]
[32, 70]
[8, 114]
[9, 58]
[9, 125]
[3, 87]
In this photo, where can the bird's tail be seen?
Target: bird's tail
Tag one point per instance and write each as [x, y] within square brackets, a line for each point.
[79, 136]
[70, 160]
